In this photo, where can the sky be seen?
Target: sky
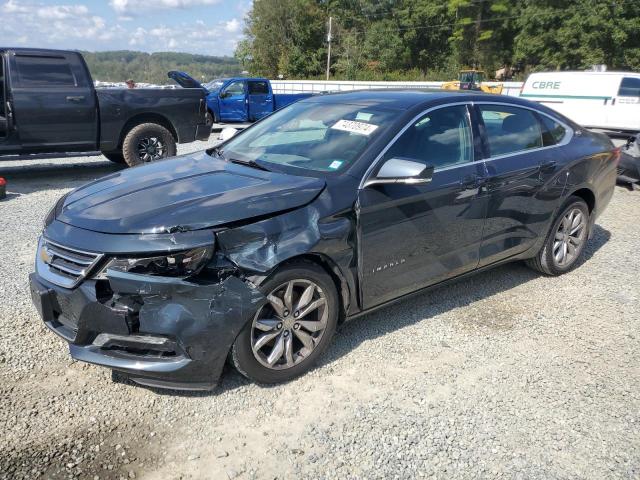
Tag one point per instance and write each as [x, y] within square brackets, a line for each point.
[210, 27]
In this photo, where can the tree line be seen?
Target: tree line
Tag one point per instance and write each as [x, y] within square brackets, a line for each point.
[118, 66]
[433, 39]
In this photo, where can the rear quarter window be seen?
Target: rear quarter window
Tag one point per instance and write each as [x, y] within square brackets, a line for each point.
[32, 71]
[552, 131]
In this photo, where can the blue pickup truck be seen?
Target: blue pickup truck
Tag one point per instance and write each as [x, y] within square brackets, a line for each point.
[240, 99]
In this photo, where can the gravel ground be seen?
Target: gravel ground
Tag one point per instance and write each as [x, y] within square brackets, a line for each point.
[505, 375]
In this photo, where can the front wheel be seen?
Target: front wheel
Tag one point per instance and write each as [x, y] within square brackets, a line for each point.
[286, 336]
[565, 241]
[148, 142]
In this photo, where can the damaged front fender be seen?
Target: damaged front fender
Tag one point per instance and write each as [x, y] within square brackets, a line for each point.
[258, 248]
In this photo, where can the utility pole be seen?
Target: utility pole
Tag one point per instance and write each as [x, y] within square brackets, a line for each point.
[329, 50]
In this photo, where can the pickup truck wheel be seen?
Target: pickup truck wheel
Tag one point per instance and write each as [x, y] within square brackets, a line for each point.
[148, 142]
[115, 157]
[286, 336]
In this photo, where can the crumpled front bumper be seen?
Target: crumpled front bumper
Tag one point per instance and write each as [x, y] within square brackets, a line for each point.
[159, 331]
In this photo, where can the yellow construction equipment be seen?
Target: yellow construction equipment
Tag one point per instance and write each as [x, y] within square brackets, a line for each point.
[473, 80]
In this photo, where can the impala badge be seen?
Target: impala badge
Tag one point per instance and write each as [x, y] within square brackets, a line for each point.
[386, 266]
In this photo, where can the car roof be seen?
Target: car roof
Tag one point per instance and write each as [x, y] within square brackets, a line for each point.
[582, 72]
[406, 99]
[241, 78]
[36, 51]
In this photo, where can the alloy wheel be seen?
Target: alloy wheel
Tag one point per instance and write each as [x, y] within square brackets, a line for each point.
[151, 148]
[290, 325]
[569, 237]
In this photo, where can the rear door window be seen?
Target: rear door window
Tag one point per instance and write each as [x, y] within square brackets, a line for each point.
[629, 87]
[510, 129]
[258, 88]
[34, 71]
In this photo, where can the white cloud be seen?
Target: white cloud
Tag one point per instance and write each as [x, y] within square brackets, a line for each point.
[75, 26]
[134, 7]
[232, 26]
[63, 26]
[62, 12]
[210, 39]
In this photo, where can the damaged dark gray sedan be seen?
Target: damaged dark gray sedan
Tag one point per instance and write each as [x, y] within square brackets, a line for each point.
[255, 251]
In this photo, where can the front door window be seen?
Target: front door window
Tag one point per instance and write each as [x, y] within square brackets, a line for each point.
[234, 89]
[442, 138]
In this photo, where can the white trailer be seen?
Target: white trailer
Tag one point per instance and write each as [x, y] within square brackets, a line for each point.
[603, 100]
[319, 86]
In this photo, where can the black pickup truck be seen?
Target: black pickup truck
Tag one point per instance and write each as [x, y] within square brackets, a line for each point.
[48, 104]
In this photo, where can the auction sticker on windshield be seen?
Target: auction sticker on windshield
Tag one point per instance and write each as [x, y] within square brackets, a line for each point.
[355, 127]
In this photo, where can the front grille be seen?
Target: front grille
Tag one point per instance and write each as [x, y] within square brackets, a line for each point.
[62, 265]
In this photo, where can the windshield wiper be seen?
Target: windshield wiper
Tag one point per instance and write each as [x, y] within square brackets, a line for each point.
[248, 163]
[218, 152]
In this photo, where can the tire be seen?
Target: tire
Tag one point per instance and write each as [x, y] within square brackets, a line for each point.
[146, 143]
[546, 261]
[319, 325]
[115, 157]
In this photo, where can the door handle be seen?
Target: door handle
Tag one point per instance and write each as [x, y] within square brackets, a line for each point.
[75, 98]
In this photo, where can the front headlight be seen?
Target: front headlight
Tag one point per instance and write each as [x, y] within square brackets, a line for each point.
[179, 264]
[55, 210]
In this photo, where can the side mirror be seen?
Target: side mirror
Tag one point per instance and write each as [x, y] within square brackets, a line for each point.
[403, 171]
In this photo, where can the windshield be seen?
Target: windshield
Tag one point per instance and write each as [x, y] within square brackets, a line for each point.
[471, 77]
[325, 137]
[214, 85]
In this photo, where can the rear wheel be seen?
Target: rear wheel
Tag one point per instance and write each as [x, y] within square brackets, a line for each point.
[565, 241]
[146, 143]
[287, 335]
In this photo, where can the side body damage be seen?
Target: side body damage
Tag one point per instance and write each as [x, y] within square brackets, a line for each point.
[257, 248]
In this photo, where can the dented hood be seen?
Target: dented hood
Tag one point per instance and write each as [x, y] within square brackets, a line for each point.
[185, 193]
